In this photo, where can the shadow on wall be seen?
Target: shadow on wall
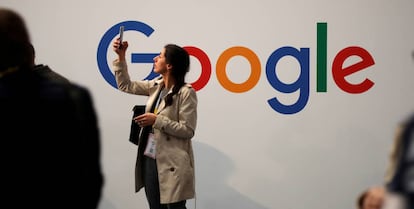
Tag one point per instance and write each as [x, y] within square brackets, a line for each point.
[213, 168]
[106, 203]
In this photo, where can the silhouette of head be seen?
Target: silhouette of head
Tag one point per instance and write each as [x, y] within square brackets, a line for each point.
[14, 41]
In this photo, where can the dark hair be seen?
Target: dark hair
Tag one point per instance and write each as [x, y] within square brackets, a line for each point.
[179, 58]
[14, 41]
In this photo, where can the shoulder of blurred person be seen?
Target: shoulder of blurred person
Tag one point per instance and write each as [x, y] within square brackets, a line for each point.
[47, 72]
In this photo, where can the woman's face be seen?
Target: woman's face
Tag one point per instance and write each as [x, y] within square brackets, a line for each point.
[160, 65]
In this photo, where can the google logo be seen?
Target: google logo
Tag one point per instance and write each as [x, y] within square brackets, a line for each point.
[302, 56]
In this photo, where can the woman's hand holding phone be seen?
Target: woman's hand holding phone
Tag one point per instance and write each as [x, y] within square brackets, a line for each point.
[119, 45]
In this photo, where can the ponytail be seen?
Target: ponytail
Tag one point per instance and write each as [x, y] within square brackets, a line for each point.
[180, 60]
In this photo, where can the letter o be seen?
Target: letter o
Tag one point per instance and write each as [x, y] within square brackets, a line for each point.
[254, 65]
[205, 66]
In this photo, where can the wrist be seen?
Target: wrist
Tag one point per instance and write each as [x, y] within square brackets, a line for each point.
[121, 58]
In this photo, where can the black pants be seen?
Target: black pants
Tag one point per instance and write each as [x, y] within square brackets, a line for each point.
[152, 188]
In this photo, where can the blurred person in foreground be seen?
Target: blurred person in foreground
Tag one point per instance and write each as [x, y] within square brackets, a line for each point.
[49, 131]
[399, 180]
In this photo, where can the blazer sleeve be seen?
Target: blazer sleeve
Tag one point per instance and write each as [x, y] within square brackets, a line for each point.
[186, 123]
[124, 82]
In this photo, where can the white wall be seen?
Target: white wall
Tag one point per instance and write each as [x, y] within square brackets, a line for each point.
[247, 154]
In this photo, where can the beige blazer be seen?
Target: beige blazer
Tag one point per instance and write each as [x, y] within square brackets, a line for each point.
[173, 130]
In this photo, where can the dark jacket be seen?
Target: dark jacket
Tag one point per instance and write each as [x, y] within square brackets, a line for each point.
[50, 144]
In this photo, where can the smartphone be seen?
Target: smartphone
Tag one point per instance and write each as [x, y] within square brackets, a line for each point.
[121, 35]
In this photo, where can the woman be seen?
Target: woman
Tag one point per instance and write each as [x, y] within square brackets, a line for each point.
[165, 162]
